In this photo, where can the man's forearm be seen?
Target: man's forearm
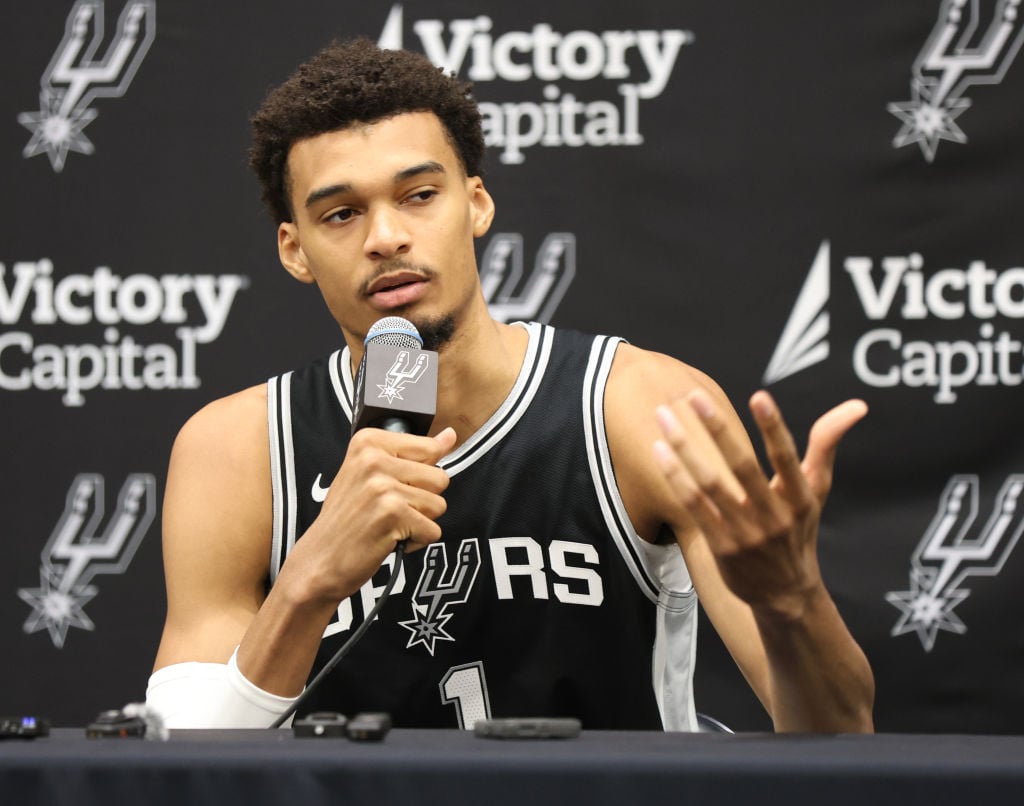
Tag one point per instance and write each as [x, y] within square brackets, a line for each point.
[280, 645]
[820, 681]
[265, 673]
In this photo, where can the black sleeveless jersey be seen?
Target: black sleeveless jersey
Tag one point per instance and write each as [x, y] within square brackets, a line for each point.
[539, 600]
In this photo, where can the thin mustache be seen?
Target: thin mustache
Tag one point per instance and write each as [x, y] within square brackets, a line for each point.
[392, 266]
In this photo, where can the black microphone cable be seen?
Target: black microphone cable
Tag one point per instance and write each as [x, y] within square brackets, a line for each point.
[347, 646]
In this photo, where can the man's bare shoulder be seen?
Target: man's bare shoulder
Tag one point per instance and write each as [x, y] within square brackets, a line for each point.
[228, 420]
[648, 376]
[218, 482]
[639, 382]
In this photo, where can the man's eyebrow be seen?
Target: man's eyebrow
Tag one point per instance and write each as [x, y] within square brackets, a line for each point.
[428, 167]
[326, 192]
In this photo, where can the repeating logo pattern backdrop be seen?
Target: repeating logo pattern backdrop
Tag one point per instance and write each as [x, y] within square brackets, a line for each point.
[823, 199]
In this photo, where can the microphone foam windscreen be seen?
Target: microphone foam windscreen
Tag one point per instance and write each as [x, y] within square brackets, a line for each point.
[395, 332]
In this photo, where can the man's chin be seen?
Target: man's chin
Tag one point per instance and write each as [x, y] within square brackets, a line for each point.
[436, 331]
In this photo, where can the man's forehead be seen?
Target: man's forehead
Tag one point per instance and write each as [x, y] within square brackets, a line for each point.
[342, 157]
[398, 137]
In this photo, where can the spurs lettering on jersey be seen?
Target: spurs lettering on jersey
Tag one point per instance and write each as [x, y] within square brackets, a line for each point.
[898, 288]
[76, 76]
[949, 63]
[949, 553]
[76, 552]
[567, 569]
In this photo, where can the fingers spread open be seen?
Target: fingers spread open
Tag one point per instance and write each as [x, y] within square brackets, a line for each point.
[757, 497]
[667, 454]
[824, 439]
[781, 450]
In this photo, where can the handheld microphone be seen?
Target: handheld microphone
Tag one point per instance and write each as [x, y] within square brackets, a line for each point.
[396, 384]
[396, 389]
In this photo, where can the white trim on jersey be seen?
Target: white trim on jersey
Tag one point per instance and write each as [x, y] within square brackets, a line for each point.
[659, 570]
[275, 475]
[334, 365]
[282, 469]
[515, 405]
[655, 568]
[599, 457]
[674, 660]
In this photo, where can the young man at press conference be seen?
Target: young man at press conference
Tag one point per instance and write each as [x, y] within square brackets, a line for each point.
[585, 490]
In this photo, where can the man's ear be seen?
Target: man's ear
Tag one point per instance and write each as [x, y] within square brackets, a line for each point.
[482, 204]
[289, 249]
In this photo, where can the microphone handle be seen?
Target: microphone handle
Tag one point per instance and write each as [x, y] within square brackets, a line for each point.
[397, 425]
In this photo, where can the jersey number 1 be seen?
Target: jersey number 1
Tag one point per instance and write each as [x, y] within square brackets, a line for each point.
[465, 687]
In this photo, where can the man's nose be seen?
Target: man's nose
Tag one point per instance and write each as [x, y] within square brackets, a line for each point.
[387, 235]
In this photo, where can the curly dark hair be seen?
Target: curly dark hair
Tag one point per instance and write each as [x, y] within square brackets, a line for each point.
[356, 82]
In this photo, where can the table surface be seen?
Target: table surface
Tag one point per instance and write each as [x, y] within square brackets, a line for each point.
[453, 767]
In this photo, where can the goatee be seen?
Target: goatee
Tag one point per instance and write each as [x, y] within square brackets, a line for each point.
[436, 332]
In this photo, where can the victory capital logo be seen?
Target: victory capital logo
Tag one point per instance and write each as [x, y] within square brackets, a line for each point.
[974, 313]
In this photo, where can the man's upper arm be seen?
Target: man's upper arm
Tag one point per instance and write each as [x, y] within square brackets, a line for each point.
[639, 382]
[217, 520]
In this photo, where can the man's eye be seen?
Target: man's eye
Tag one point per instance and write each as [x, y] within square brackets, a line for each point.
[341, 215]
[423, 195]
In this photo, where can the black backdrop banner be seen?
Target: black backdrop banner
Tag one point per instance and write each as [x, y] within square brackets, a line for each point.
[823, 198]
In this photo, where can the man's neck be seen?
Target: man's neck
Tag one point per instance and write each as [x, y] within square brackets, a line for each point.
[476, 371]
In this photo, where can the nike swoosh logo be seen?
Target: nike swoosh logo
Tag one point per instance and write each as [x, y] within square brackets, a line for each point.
[319, 492]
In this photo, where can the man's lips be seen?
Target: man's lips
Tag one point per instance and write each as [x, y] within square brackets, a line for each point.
[389, 282]
[396, 290]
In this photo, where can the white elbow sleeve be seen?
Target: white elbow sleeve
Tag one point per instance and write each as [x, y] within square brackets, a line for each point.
[211, 695]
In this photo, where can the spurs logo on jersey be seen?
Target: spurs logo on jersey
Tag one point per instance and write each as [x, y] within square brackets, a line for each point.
[76, 76]
[403, 371]
[76, 552]
[948, 64]
[437, 590]
[513, 295]
[949, 553]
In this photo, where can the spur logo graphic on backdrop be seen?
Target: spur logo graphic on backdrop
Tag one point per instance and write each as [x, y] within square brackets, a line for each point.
[76, 76]
[77, 551]
[32, 296]
[638, 63]
[952, 550]
[514, 294]
[960, 53]
[962, 304]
